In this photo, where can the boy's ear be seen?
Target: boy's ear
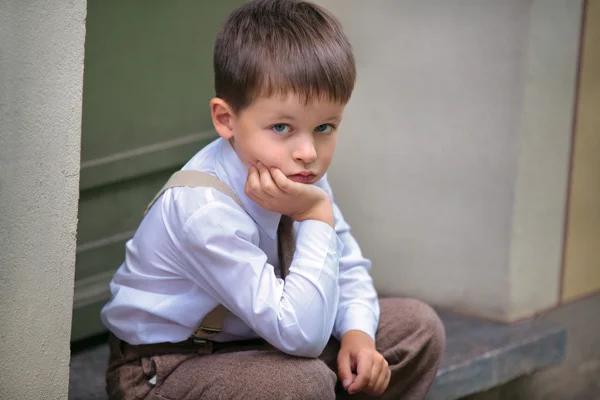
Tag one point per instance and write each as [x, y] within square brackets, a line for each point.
[222, 117]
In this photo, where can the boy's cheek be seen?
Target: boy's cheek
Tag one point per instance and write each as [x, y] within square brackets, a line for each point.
[247, 151]
[271, 153]
[273, 158]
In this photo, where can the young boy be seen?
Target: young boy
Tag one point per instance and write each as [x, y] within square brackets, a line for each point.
[248, 244]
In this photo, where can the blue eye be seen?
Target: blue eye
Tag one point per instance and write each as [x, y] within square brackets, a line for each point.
[324, 128]
[281, 128]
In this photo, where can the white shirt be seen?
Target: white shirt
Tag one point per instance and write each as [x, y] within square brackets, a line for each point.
[197, 248]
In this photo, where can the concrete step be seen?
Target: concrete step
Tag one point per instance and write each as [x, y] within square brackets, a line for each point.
[479, 355]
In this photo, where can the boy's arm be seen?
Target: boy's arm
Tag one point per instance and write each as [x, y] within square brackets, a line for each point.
[358, 307]
[220, 246]
[360, 366]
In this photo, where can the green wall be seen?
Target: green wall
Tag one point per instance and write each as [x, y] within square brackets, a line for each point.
[147, 83]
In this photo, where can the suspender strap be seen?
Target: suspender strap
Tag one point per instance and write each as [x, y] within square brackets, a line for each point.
[191, 178]
[213, 321]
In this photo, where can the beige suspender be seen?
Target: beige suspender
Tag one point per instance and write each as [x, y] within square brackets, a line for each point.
[213, 321]
[191, 178]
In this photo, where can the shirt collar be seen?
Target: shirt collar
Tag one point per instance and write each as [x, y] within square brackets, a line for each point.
[233, 173]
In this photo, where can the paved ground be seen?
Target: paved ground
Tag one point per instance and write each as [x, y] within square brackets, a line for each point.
[87, 374]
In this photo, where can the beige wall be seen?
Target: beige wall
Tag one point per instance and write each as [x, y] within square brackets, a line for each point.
[545, 136]
[582, 258]
[41, 59]
[452, 163]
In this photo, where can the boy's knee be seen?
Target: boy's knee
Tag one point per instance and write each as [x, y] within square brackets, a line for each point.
[315, 382]
[293, 379]
[429, 327]
[300, 380]
[433, 328]
[425, 324]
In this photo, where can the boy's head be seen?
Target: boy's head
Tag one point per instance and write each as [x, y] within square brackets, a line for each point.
[284, 70]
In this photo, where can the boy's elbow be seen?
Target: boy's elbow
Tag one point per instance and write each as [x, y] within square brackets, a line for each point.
[316, 350]
[309, 346]
[312, 350]
[306, 336]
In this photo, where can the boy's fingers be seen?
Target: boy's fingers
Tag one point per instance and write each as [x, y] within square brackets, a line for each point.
[266, 182]
[385, 381]
[375, 372]
[282, 181]
[253, 188]
[363, 374]
[252, 182]
[380, 384]
[344, 369]
[258, 200]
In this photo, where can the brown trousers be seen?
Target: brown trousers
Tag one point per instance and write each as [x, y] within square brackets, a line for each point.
[410, 336]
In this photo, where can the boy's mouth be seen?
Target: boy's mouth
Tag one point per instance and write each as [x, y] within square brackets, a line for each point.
[303, 177]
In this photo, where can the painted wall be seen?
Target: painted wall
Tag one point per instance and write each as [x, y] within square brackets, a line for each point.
[147, 83]
[582, 258]
[545, 140]
[459, 127]
[41, 77]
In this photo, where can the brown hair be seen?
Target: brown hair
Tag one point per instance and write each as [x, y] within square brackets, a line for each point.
[268, 47]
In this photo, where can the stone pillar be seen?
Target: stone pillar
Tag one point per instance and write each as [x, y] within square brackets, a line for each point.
[41, 79]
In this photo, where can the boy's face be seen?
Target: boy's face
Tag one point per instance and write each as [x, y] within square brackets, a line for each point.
[283, 132]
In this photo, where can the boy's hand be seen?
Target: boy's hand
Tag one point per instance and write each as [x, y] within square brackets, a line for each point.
[358, 354]
[273, 191]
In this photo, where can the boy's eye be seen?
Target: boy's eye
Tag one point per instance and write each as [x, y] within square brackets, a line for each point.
[281, 128]
[324, 128]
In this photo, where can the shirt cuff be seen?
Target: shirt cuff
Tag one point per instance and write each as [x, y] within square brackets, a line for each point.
[355, 317]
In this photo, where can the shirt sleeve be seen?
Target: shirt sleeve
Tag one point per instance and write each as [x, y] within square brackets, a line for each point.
[220, 245]
[358, 307]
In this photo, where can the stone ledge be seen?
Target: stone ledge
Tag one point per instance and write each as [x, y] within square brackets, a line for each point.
[479, 355]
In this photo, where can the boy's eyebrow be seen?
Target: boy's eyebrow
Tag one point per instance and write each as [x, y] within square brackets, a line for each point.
[283, 116]
[292, 118]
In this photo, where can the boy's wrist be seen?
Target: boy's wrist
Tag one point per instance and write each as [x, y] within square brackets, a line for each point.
[323, 212]
[356, 337]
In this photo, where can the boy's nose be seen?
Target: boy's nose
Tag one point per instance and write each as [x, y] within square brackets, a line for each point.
[305, 152]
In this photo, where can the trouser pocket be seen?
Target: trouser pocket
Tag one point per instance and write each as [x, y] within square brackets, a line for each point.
[156, 369]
